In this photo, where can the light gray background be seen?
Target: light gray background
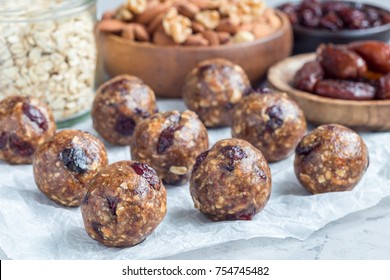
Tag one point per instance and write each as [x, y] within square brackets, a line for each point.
[361, 235]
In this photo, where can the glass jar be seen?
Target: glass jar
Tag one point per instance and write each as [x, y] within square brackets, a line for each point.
[48, 50]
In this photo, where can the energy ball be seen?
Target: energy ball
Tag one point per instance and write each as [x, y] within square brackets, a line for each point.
[120, 104]
[25, 123]
[232, 181]
[271, 122]
[331, 158]
[212, 89]
[124, 204]
[64, 165]
[170, 142]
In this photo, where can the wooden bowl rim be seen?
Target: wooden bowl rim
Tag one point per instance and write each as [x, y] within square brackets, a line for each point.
[278, 33]
[283, 85]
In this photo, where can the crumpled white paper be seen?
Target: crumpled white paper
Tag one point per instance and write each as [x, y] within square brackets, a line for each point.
[34, 227]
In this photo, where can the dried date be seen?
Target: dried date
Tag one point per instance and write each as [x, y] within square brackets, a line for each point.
[307, 77]
[384, 87]
[375, 53]
[331, 21]
[345, 90]
[340, 63]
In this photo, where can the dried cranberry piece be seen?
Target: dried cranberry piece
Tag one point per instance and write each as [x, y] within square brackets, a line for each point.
[275, 121]
[122, 86]
[97, 228]
[245, 215]
[228, 167]
[3, 140]
[124, 125]
[112, 202]
[75, 159]
[303, 149]
[233, 153]
[229, 106]
[142, 113]
[85, 199]
[260, 173]
[199, 159]
[21, 147]
[206, 68]
[35, 116]
[148, 173]
[165, 140]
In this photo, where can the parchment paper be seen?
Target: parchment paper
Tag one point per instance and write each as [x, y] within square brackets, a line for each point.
[34, 227]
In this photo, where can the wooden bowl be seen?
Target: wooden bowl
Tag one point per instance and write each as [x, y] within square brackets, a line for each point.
[164, 68]
[360, 115]
[307, 39]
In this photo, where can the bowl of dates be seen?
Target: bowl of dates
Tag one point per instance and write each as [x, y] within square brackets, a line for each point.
[345, 84]
[339, 22]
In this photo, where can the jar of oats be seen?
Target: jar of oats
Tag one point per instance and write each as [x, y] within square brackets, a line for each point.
[48, 50]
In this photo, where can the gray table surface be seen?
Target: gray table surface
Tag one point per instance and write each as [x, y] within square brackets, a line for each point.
[360, 235]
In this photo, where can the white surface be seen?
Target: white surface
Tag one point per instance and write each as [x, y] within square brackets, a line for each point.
[34, 227]
[361, 235]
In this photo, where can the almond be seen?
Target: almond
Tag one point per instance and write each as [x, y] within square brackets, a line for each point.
[128, 32]
[212, 38]
[111, 25]
[196, 40]
[261, 30]
[188, 9]
[198, 27]
[156, 23]
[140, 32]
[162, 39]
[153, 10]
[224, 37]
[226, 25]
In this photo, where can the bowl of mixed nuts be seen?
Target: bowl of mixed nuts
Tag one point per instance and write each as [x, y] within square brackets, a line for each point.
[162, 41]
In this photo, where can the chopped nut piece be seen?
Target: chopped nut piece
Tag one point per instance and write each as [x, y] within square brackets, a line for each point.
[177, 26]
[124, 14]
[178, 170]
[243, 37]
[210, 19]
[137, 6]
